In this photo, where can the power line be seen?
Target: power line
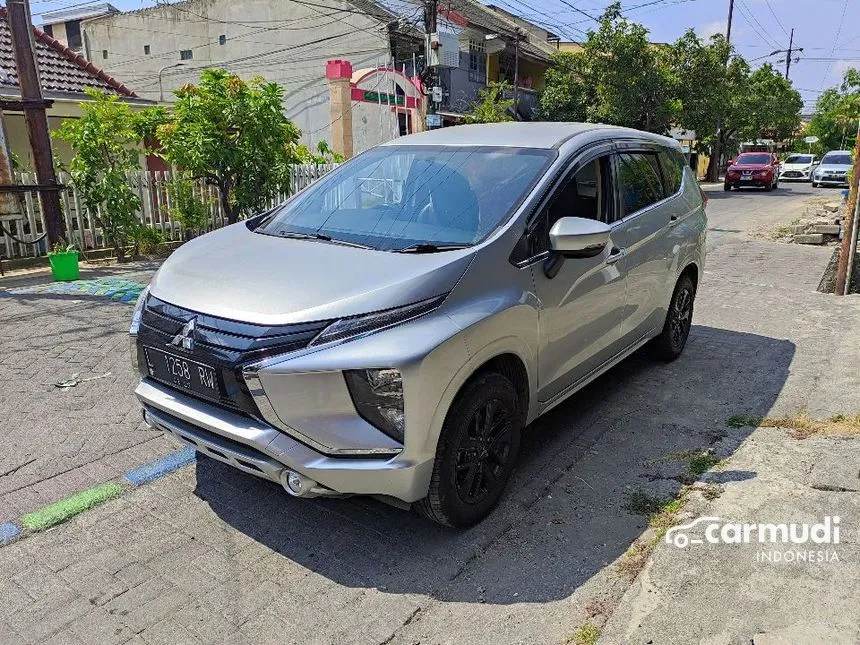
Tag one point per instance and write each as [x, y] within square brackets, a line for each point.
[775, 17]
[750, 18]
[835, 40]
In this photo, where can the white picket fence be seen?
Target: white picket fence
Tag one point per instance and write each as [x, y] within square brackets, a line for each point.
[82, 229]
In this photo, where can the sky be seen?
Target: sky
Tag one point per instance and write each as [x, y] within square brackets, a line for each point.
[826, 29]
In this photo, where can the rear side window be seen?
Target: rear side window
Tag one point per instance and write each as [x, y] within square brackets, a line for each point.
[672, 164]
[640, 181]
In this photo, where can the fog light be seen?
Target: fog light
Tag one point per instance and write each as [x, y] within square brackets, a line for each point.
[295, 483]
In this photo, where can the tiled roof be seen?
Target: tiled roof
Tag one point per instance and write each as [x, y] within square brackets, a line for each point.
[60, 69]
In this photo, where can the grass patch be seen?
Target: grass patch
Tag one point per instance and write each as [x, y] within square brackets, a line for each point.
[702, 463]
[65, 509]
[586, 634]
[801, 424]
[641, 503]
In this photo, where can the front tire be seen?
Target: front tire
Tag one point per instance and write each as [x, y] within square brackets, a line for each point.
[727, 187]
[672, 340]
[477, 450]
[815, 184]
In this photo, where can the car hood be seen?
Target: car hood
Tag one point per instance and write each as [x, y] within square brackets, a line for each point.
[796, 166]
[238, 274]
[836, 167]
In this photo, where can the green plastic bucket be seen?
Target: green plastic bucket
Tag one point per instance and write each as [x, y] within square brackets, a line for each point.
[64, 266]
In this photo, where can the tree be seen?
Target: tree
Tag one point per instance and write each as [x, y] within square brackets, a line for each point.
[837, 110]
[618, 78]
[566, 95]
[773, 106]
[701, 83]
[234, 135]
[491, 106]
[104, 139]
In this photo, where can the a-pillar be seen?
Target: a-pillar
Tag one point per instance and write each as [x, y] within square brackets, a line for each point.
[339, 73]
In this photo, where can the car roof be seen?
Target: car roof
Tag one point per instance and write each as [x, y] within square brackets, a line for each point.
[839, 152]
[544, 134]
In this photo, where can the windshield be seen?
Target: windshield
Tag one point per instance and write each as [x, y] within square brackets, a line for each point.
[840, 159]
[799, 159]
[753, 159]
[394, 197]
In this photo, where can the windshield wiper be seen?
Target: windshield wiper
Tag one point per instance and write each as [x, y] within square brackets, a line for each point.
[322, 237]
[429, 248]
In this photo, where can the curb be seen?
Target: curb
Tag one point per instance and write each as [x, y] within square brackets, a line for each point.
[65, 509]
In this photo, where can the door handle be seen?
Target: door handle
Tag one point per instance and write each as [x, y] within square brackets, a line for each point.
[615, 254]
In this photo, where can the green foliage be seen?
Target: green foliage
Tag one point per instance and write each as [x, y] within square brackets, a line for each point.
[701, 83]
[300, 153]
[234, 135]
[60, 248]
[146, 240]
[835, 119]
[618, 78]
[491, 106]
[772, 106]
[186, 207]
[103, 140]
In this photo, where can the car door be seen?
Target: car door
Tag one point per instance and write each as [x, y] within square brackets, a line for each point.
[641, 234]
[581, 299]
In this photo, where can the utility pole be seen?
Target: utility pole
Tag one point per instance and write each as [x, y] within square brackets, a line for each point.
[33, 103]
[716, 149]
[431, 47]
[788, 53]
[849, 224]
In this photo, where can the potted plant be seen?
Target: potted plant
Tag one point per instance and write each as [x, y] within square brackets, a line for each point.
[64, 262]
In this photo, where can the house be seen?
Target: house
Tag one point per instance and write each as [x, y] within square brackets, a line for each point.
[158, 49]
[65, 24]
[64, 75]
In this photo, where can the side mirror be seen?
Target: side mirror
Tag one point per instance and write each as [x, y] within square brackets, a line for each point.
[577, 237]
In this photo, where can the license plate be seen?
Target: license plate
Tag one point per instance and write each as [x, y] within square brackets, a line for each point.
[183, 373]
[746, 174]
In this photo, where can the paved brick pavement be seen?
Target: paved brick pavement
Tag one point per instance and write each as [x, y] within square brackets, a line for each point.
[209, 554]
[56, 442]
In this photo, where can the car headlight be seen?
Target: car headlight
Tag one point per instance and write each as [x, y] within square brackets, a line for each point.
[138, 312]
[360, 325]
[135, 327]
[378, 398]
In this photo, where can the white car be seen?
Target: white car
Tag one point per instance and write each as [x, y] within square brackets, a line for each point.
[798, 167]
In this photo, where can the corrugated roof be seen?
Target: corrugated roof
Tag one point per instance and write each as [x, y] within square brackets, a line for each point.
[60, 69]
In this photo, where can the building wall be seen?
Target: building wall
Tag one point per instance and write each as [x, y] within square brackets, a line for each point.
[285, 42]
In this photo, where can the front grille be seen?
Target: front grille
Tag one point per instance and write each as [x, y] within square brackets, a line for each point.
[226, 345]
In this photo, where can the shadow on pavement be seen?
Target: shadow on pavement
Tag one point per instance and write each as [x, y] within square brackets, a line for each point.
[563, 517]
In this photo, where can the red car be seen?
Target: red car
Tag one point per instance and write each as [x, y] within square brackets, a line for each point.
[753, 169]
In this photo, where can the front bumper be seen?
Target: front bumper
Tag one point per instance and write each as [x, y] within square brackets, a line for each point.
[832, 181]
[757, 182]
[794, 175]
[262, 450]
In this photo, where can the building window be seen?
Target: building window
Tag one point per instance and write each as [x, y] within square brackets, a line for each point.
[73, 35]
[104, 53]
[477, 62]
[506, 67]
[186, 54]
[222, 39]
[146, 49]
[48, 29]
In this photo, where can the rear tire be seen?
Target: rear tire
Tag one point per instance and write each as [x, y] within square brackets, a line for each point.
[476, 453]
[672, 340]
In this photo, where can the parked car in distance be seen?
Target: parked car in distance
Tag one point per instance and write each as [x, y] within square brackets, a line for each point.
[753, 169]
[833, 169]
[798, 167]
[391, 329]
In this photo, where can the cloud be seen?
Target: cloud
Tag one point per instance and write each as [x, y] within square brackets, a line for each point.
[708, 30]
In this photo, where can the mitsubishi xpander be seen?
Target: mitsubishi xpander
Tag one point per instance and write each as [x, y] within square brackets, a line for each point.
[391, 329]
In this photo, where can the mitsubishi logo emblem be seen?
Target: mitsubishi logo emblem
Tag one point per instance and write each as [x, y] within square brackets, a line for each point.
[185, 337]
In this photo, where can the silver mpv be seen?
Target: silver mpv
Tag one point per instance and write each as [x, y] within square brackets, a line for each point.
[391, 329]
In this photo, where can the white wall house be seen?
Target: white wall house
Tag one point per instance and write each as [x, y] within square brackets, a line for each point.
[158, 49]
